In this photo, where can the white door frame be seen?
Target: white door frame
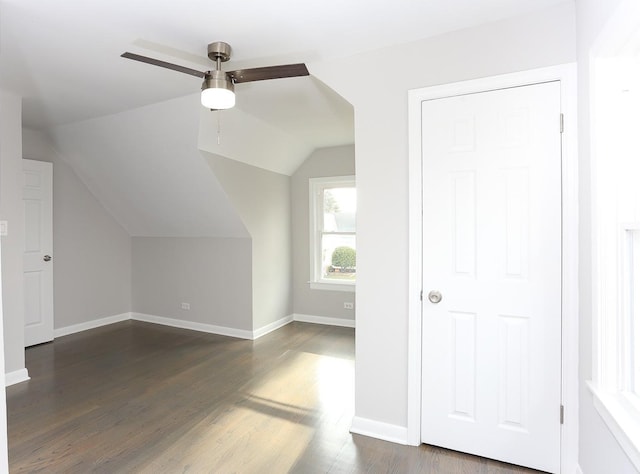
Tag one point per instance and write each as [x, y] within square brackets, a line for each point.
[566, 74]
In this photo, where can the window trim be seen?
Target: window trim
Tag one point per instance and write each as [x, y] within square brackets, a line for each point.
[316, 215]
[621, 415]
[610, 384]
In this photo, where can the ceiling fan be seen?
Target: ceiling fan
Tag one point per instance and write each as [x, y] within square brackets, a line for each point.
[218, 86]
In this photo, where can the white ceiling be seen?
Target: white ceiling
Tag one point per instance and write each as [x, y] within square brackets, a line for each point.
[62, 56]
[132, 131]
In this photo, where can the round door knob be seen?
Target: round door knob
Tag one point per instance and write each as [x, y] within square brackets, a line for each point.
[435, 296]
[46, 258]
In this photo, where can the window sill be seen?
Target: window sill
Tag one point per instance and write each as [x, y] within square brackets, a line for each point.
[622, 417]
[333, 286]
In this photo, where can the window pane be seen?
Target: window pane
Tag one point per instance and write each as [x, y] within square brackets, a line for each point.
[339, 257]
[339, 210]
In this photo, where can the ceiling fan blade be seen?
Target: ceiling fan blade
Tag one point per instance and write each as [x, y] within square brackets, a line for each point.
[269, 72]
[157, 62]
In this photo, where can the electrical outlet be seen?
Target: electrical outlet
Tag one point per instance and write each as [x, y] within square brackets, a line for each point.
[348, 305]
[186, 306]
[4, 228]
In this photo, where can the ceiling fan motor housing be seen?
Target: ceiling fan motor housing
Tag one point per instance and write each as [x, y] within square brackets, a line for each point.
[219, 50]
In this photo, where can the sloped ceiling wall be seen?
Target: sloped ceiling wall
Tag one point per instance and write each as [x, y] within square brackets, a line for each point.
[145, 168]
[242, 137]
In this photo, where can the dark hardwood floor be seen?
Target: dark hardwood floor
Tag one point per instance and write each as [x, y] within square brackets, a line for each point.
[137, 397]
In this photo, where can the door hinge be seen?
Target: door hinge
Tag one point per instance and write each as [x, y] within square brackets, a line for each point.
[561, 123]
[562, 414]
[420, 295]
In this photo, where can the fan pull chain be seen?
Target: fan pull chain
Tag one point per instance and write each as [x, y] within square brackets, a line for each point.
[218, 113]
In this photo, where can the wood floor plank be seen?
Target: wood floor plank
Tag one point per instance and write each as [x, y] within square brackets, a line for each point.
[138, 397]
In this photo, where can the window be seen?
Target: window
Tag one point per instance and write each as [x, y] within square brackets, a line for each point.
[616, 217]
[332, 214]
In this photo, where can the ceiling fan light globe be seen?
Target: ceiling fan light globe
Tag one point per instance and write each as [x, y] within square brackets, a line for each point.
[216, 98]
[217, 91]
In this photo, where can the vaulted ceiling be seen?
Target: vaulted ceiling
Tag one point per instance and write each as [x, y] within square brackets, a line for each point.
[127, 128]
[63, 56]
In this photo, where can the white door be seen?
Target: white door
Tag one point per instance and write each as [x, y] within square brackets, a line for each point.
[38, 252]
[491, 380]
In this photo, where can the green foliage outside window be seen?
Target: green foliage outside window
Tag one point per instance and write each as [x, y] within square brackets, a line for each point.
[344, 258]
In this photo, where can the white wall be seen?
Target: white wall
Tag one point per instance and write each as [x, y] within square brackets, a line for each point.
[599, 452]
[12, 210]
[262, 200]
[212, 275]
[324, 162]
[92, 251]
[4, 458]
[379, 98]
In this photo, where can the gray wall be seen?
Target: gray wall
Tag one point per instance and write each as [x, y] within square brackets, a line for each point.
[324, 162]
[212, 274]
[92, 252]
[262, 199]
[12, 210]
[599, 451]
[5, 134]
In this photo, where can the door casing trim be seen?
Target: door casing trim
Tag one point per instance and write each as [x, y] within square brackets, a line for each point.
[566, 75]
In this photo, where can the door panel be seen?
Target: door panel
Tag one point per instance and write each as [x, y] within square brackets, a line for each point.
[492, 247]
[38, 273]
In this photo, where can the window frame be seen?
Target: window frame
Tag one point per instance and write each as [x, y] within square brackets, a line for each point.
[317, 187]
[612, 223]
[611, 384]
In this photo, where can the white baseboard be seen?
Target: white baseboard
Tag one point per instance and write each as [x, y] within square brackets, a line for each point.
[307, 318]
[379, 430]
[178, 323]
[17, 376]
[272, 326]
[208, 328]
[96, 323]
